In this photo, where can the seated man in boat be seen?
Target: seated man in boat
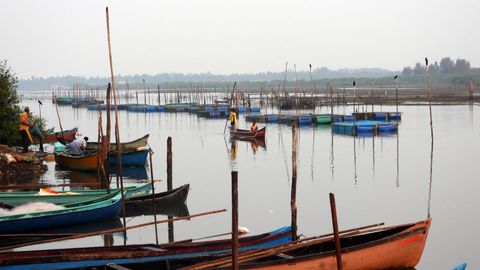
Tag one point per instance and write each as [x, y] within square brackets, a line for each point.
[254, 127]
[233, 119]
[77, 146]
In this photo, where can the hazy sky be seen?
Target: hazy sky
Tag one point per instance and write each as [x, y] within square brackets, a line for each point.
[49, 38]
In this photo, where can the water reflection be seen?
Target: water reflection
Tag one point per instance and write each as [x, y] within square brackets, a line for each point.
[398, 161]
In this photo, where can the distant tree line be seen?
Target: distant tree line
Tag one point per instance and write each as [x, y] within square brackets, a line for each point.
[445, 67]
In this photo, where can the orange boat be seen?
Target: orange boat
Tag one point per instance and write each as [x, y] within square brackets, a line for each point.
[381, 248]
[87, 162]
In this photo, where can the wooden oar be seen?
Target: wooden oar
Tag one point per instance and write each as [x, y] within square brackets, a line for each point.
[82, 235]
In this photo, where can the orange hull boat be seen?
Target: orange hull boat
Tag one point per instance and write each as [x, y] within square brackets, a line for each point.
[86, 162]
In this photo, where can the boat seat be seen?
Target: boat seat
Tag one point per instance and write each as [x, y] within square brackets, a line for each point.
[284, 256]
[154, 249]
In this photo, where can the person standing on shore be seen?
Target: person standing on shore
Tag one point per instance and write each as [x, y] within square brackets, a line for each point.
[23, 129]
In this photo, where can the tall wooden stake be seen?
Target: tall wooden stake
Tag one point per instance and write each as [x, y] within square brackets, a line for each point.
[150, 154]
[235, 220]
[293, 195]
[169, 164]
[335, 232]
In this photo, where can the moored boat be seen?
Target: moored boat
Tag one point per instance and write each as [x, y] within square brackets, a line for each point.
[101, 208]
[87, 162]
[74, 258]
[382, 248]
[126, 146]
[130, 158]
[67, 197]
[51, 137]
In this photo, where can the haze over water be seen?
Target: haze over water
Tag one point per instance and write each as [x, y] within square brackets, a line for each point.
[375, 179]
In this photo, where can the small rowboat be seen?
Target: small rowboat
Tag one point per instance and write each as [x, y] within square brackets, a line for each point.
[158, 255]
[395, 247]
[126, 146]
[171, 197]
[246, 134]
[102, 208]
[87, 162]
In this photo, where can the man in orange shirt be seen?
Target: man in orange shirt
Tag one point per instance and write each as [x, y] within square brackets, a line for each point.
[23, 129]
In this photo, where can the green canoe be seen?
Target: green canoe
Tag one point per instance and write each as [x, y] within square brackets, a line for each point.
[68, 197]
[324, 119]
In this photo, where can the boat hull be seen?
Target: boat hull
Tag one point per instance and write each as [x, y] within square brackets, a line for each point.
[402, 250]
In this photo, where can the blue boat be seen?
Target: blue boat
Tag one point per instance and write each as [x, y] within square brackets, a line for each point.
[130, 158]
[76, 258]
[102, 208]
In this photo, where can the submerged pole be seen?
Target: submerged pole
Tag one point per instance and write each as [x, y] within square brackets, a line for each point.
[335, 232]
[169, 164]
[235, 220]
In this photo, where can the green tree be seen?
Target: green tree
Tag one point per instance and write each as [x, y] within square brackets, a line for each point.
[9, 109]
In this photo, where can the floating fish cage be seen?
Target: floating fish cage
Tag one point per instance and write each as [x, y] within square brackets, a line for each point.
[364, 128]
[103, 107]
[378, 116]
[141, 108]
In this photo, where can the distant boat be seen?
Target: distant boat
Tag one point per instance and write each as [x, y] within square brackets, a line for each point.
[247, 134]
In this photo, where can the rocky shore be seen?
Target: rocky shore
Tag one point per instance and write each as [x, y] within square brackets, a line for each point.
[17, 166]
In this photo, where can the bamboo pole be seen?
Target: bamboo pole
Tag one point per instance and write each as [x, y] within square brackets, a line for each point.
[235, 220]
[335, 232]
[124, 229]
[293, 194]
[58, 116]
[117, 131]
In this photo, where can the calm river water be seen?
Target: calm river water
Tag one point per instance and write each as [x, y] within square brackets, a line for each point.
[374, 179]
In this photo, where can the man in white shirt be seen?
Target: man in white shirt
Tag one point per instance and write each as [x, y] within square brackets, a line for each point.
[78, 146]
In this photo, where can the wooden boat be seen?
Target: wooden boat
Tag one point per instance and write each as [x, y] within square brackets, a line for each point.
[129, 158]
[383, 248]
[75, 258]
[244, 133]
[68, 197]
[87, 162]
[52, 137]
[102, 208]
[126, 146]
[173, 210]
[173, 197]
